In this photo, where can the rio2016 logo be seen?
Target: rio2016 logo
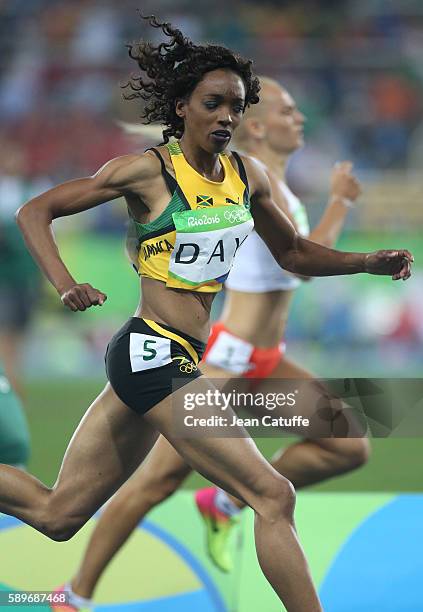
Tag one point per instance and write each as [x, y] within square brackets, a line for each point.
[203, 220]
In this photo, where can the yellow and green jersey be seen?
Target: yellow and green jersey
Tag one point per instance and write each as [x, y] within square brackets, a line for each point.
[192, 243]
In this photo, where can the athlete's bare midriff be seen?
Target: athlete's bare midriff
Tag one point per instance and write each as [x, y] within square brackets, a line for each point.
[186, 311]
[259, 318]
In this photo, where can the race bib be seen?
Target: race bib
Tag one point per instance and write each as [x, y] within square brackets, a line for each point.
[230, 353]
[207, 241]
[147, 352]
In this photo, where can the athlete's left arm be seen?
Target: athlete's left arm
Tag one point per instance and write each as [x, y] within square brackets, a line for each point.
[302, 256]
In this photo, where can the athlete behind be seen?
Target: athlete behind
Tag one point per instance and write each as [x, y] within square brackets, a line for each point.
[20, 279]
[252, 345]
[199, 93]
[248, 345]
[14, 433]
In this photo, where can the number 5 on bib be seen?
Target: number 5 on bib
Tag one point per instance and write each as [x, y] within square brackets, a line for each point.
[147, 352]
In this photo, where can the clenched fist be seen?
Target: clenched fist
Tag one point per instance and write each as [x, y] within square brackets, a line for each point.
[396, 264]
[82, 296]
[343, 183]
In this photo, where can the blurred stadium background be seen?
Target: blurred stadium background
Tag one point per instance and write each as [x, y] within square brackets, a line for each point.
[354, 68]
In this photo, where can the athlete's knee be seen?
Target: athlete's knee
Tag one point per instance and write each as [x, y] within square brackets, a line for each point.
[59, 528]
[350, 453]
[357, 452]
[59, 523]
[58, 531]
[277, 499]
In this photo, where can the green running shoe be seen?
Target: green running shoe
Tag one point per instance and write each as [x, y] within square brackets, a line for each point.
[219, 527]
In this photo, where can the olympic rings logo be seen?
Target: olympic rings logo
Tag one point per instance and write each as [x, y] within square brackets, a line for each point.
[188, 368]
[185, 365]
[236, 216]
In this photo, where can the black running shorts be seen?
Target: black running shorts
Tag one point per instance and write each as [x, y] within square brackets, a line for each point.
[147, 361]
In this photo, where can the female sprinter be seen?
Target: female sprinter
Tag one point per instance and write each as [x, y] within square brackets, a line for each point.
[247, 341]
[192, 206]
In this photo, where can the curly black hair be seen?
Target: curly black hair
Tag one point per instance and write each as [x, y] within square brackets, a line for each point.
[173, 70]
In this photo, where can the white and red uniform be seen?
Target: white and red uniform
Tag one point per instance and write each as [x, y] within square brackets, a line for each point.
[255, 271]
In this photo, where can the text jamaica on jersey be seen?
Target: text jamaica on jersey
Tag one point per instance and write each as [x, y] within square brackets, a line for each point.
[154, 249]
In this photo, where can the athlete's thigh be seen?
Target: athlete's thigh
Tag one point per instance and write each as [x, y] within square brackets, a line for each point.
[234, 463]
[108, 445]
[302, 392]
[310, 398]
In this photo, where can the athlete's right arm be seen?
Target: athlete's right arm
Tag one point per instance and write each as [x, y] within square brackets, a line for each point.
[301, 256]
[118, 177]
